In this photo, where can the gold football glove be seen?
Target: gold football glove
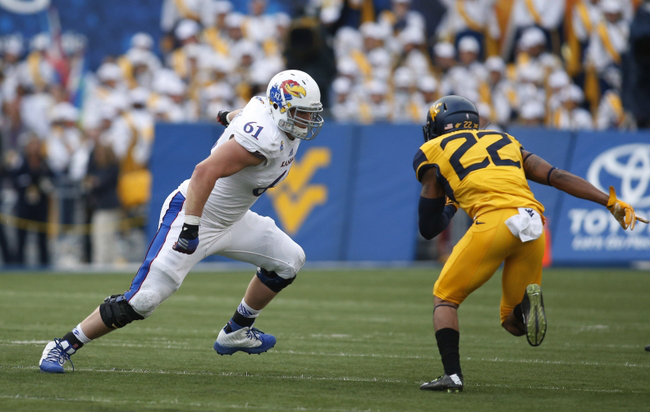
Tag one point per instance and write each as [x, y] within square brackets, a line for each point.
[623, 212]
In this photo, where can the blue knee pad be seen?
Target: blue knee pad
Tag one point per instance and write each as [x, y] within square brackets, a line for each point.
[272, 280]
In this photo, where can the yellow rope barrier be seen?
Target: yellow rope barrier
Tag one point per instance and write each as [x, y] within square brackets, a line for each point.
[79, 229]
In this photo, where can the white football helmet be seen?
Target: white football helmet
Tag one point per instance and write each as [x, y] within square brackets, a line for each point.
[292, 93]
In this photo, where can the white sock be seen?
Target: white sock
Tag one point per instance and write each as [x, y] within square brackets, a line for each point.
[81, 335]
[246, 311]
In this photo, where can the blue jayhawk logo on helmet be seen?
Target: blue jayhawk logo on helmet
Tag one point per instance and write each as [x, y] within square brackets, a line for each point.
[289, 89]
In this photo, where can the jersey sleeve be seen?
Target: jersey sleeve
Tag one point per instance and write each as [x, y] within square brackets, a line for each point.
[421, 164]
[255, 131]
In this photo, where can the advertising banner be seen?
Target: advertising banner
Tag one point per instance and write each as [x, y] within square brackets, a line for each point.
[352, 196]
[177, 149]
[383, 223]
[587, 233]
[312, 204]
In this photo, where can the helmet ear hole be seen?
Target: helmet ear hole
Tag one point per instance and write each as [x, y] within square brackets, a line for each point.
[275, 106]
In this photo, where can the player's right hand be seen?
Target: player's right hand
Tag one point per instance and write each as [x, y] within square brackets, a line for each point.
[188, 240]
[623, 212]
[222, 118]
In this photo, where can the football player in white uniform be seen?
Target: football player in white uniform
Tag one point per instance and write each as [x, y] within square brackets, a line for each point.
[210, 214]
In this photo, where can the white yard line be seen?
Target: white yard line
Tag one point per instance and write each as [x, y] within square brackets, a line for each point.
[304, 377]
[177, 345]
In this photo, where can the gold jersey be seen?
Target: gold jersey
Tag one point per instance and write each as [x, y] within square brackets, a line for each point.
[481, 170]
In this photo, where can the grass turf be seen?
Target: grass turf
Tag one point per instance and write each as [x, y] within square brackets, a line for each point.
[348, 340]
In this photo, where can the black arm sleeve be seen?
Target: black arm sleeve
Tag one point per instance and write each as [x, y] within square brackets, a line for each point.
[434, 216]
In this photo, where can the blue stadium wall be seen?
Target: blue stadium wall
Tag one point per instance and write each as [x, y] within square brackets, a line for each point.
[352, 194]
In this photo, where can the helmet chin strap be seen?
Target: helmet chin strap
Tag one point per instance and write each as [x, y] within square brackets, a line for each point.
[297, 129]
[293, 135]
[295, 132]
[303, 131]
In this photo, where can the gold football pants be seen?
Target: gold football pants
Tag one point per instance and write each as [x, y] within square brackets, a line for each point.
[487, 244]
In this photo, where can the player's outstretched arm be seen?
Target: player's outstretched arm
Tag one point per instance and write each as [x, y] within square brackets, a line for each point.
[540, 171]
[226, 160]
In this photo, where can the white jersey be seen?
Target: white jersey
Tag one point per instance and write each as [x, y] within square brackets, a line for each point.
[256, 131]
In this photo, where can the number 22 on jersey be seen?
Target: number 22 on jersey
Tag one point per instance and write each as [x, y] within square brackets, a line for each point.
[469, 146]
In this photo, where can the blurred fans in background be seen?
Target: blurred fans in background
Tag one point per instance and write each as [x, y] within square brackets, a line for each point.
[568, 64]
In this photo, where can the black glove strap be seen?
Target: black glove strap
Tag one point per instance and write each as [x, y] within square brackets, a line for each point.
[190, 232]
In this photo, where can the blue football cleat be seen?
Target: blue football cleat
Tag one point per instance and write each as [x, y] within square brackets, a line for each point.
[247, 339]
[55, 355]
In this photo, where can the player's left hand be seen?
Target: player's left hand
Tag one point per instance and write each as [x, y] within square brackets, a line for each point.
[623, 212]
[188, 240]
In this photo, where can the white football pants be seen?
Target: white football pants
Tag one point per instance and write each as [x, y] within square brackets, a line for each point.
[254, 239]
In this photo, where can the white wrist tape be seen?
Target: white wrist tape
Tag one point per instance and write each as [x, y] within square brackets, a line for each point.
[192, 220]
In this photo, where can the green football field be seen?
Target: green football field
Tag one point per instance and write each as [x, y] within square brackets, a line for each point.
[348, 340]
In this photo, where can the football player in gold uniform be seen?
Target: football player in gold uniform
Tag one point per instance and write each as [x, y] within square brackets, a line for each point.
[485, 173]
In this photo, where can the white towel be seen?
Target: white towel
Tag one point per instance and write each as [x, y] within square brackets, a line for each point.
[527, 225]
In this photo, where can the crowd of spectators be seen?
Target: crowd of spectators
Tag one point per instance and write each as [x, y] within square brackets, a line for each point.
[560, 64]
[544, 69]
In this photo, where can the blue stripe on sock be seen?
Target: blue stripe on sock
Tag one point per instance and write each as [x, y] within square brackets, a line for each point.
[157, 243]
[234, 326]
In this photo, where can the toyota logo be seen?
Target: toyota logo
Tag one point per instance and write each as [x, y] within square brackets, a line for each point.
[24, 6]
[631, 164]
